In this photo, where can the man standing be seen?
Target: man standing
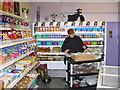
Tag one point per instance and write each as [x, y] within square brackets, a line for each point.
[73, 43]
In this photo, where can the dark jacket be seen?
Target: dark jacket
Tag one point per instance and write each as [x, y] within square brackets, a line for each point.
[75, 44]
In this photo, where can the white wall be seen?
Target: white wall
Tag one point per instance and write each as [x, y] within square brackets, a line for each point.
[92, 11]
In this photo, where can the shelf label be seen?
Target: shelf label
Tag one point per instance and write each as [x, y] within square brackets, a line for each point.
[47, 24]
[61, 23]
[99, 23]
[54, 23]
[77, 23]
[91, 23]
[84, 23]
[69, 24]
[39, 24]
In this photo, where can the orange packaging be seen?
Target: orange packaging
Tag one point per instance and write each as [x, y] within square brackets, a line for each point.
[1, 84]
[52, 29]
[98, 36]
[1, 4]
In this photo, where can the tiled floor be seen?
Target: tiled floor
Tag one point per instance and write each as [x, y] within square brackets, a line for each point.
[55, 83]
[59, 84]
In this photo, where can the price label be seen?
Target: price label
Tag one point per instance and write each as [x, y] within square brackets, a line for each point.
[77, 23]
[99, 23]
[47, 24]
[84, 23]
[54, 23]
[91, 23]
[69, 24]
[39, 24]
[61, 23]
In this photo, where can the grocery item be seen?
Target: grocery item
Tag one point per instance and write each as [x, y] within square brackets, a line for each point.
[56, 49]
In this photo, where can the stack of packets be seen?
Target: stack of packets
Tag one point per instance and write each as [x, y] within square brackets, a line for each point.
[14, 71]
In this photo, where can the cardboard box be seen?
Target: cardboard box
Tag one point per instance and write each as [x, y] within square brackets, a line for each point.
[83, 57]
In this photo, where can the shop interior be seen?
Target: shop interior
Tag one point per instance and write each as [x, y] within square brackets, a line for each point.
[33, 32]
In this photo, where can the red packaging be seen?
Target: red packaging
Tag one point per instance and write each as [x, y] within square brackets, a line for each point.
[5, 5]
[89, 43]
[14, 34]
[85, 43]
[10, 6]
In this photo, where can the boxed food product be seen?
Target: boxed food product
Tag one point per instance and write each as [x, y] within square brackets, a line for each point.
[10, 6]
[20, 66]
[4, 5]
[56, 49]
[83, 57]
[3, 57]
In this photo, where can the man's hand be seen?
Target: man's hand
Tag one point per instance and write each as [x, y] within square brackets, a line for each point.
[67, 50]
[84, 47]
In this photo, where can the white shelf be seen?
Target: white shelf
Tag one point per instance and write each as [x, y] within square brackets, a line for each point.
[40, 33]
[88, 32]
[94, 45]
[53, 62]
[11, 43]
[13, 15]
[21, 29]
[5, 28]
[21, 76]
[31, 82]
[49, 45]
[50, 56]
[92, 39]
[62, 39]
[61, 46]
[51, 39]
[49, 53]
[11, 61]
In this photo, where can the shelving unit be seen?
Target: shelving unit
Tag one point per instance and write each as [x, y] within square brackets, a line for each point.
[62, 39]
[50, 53]
[21, 76]
[49, 46]
[38, 33]
[21, 29]
[69, 70]
[12, 42]
[12, 15]
[11, 61]
[43, 34]
[108, 77]
[3, 44]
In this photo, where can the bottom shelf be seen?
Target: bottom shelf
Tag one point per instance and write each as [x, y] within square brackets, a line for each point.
[93, 87]
[12, 84]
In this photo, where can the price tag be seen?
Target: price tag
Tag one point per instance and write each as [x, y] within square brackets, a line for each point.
[39, 24]
[61, 23]
[47, 24]
[77, 23]
[54, 23]
[99, 23]
[69, 24]
[84, 23]
[91, 23]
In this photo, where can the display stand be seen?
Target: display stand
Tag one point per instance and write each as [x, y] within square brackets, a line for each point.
[69, 70]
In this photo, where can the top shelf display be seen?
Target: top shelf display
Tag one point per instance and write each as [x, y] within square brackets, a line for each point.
[13, 15]
[85, 24]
